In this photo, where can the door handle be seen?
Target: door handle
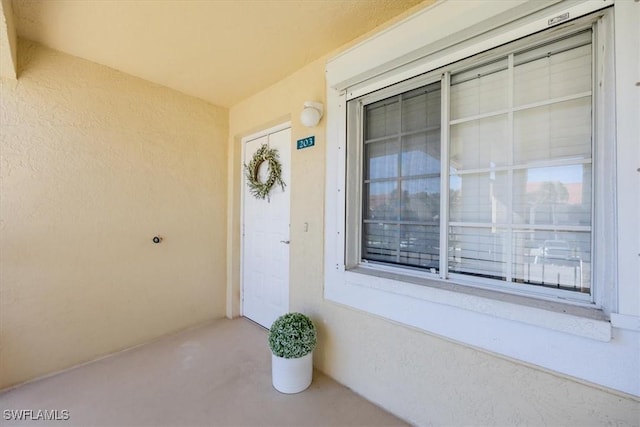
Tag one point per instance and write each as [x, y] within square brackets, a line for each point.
[286, 242]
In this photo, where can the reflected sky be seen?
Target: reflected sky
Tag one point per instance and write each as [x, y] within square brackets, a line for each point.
[564, 174]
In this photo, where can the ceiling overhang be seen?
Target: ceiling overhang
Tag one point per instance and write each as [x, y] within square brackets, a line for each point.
[8, 42]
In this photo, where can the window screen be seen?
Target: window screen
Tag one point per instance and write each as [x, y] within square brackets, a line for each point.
[401, 185]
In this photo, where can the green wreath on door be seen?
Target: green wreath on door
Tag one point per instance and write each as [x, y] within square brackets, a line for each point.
[259, 189]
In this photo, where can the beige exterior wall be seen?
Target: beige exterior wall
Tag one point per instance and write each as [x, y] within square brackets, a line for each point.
[422, 378]
[94, 164]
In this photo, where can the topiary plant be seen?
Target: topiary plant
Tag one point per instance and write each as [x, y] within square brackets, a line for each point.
[292, 335]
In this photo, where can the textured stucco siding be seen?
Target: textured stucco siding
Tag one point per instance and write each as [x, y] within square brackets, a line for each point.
[94, 163]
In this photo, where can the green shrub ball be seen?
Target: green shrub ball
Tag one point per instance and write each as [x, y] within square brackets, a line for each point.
[292, 335]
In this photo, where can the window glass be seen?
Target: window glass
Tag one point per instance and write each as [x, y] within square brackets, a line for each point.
[480, 143]
[478, 251]
[554, 70]
[380, 242]
[421, 154]
[555, 259]
[401, 215]
[481, 90]
[553, 132]
[519, 187]
[520, 183]
[558, 196]
[479, 197]
[382, 201]
[382, 119]
[382, 159]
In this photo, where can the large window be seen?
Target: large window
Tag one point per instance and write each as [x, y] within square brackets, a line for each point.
[482, 172]
[481, 183]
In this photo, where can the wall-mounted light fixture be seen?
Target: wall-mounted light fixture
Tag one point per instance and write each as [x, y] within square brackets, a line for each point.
[311, 114]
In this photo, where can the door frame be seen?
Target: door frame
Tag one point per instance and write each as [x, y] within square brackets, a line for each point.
[243, 141]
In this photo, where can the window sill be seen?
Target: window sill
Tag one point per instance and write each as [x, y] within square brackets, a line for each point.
[582, 321]
[571, 340]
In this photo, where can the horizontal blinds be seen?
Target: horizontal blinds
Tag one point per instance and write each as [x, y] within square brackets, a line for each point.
[520, 170]
[520, 161]
[401, 179]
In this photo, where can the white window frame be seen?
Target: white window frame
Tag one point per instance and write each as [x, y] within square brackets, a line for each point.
[514, 326]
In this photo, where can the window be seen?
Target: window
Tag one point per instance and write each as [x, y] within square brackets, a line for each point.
[481, 172]
[565, 95]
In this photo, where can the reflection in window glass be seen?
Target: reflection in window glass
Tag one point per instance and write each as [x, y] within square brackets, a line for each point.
[480, 143]
[401, 218]
[553, 259]
[478, 251]
[519, 189]
[557, 196]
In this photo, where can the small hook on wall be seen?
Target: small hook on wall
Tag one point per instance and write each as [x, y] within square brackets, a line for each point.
[157, 239]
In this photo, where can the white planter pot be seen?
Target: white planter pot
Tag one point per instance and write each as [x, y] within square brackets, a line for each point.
[291, 375]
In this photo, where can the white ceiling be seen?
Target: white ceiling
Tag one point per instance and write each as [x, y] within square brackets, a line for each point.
[219, 50]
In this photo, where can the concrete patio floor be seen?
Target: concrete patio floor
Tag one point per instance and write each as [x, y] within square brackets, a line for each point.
[215, 375]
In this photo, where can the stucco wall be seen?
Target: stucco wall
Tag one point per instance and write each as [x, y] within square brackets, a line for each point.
[94, 164]
[422, 378]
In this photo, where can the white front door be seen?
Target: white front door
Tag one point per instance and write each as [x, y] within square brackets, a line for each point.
[265, 236]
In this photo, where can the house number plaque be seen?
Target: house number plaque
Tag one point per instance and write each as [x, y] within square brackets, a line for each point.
[307, 142]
